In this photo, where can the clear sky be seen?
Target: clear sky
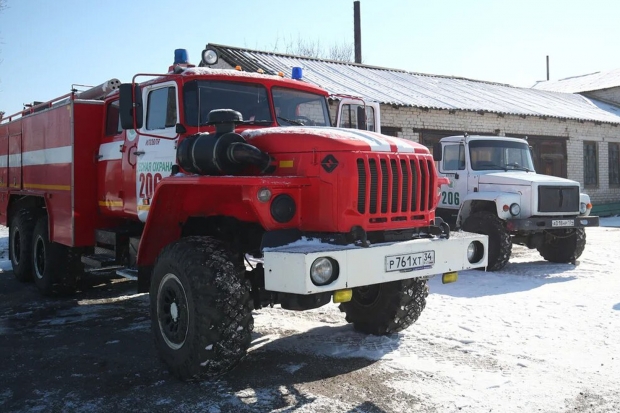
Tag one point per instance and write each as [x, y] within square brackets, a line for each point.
[48, 45]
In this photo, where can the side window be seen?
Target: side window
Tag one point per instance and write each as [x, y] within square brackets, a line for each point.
[453, 157]
[353, 116]
[162, 109]
[113, 120]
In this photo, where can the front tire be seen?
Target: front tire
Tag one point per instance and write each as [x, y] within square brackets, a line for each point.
[563, 245]
[201, 308]
[20, 243]
[386, 308]
[500, 243]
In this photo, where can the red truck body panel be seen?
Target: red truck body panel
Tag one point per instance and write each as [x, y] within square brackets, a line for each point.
[51, 154]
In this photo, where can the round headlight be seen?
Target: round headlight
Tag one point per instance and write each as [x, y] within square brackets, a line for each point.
[583, 207]
[515, 209]
[283, 208]
[209, 56]
[264, 194]
[323, 271]
[475, 251]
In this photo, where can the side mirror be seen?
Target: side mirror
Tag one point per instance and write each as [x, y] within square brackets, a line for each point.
[127, 106]
[436, 151]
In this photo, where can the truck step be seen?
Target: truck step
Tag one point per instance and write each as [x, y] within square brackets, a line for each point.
[129, 273]
[98, 260]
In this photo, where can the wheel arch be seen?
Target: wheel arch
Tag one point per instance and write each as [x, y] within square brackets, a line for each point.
[486, 201]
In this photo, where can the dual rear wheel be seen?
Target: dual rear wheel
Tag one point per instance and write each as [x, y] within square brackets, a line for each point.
[54, 268]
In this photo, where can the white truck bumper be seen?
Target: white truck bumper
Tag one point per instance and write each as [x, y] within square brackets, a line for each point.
[287, 268]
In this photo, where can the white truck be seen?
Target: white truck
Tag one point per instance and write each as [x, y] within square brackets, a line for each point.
[494, 190]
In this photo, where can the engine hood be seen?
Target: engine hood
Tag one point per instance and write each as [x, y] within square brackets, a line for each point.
[300, 139]
[523, 178]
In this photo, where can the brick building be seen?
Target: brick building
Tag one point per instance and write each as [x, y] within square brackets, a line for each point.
[572, 135]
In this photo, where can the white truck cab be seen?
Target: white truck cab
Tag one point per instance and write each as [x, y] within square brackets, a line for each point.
[494, 190]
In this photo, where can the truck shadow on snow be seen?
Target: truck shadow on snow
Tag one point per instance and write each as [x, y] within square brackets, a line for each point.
[96, 349]
[515, 277]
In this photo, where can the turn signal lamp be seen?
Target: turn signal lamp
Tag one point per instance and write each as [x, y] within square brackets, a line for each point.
[343, 296]
[449, 277]
[281, 74]
[238, 67]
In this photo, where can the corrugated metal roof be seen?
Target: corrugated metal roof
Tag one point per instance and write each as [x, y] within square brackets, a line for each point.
[401, 88]
[583, 83]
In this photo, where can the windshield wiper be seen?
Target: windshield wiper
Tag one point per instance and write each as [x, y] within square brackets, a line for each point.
[292, 122]
[256, 122]
[517, 166]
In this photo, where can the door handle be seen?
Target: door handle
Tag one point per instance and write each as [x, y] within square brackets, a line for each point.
[138, 153]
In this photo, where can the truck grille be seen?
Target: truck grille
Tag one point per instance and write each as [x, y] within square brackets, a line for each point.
[394, 184]
[558, 199]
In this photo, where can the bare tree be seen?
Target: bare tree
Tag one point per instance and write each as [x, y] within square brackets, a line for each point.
[312, 48]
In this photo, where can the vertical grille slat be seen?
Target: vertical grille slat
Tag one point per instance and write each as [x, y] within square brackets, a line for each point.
[431, 184]
[384, 186]
[406, 182]
[373, 186]
[361, 186]
[423, 185]
[395, 185]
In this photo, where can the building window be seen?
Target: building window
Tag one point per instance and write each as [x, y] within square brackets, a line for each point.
[590, 164]
[614, 164]
[391, 130]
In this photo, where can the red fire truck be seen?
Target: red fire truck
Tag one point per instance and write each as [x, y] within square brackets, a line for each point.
[222, 191]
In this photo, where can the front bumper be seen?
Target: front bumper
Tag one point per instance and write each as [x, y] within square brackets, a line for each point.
[287, 268]
[540, 223]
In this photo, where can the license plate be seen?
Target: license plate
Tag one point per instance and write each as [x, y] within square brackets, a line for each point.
[410, 262]
[562, 222]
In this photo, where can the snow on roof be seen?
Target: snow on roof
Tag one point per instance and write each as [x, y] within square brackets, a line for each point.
[582, 83]
[402, 88]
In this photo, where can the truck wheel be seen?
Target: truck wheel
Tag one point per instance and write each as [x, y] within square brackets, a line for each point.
[56, 267]
[201, 308]
[500, 243]
[563, 245]
[386, 308]
[20, 243]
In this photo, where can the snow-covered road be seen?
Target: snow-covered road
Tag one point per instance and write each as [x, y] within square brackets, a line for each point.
[533, 337]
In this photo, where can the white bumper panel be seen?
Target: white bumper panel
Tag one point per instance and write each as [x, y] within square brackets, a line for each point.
[287, 268]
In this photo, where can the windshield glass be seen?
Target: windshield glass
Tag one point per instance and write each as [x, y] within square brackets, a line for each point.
[499, 154]
[202, 96]
[294, 107]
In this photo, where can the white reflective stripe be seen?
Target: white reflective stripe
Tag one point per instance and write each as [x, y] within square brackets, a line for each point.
[63, 154]
[4, 161]
[110, 151]
[15, 159]
[403, 145]
[376, 142]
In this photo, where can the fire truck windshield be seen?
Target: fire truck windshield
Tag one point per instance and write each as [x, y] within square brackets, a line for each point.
[201, 97]
[295, 107]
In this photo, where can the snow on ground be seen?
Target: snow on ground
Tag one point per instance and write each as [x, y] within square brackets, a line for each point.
[535, 336]
[530, 337]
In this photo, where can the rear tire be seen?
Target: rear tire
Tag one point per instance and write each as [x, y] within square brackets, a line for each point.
[201, 308]
[56, 267]
[20, 243]
[386, 308]
[500, 243]
[563, 245]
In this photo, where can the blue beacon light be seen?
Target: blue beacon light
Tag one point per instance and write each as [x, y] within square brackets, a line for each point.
[296, 73]
[180, 56]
